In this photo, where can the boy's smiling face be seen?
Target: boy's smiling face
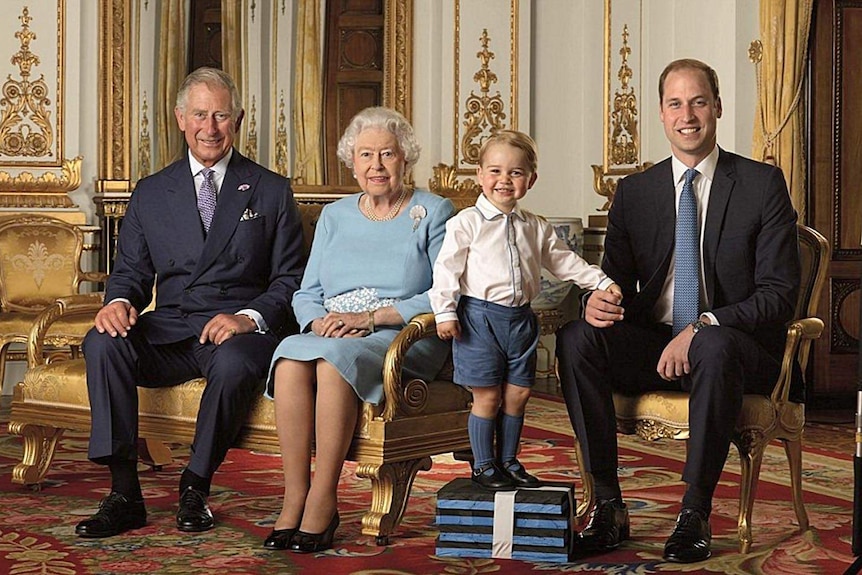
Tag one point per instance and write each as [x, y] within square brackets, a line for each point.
[504, 176]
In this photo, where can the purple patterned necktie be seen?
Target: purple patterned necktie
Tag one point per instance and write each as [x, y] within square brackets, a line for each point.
[207, 198]
[686, 275]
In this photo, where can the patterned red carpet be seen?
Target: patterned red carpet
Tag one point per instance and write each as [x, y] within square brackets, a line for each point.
[37, 528]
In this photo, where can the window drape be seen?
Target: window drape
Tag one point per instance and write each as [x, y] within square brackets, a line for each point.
[778, 124]
[308, 97]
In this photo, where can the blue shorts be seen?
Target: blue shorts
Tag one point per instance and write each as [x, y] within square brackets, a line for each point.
[498, 344]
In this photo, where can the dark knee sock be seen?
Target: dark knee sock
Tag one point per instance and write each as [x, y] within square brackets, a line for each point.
[481, 432]
[607, 485]
[698, 497]
[191, 479]
[510, 436]
[124, 478]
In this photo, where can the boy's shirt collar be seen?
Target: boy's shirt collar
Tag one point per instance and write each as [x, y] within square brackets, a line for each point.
[489, 211]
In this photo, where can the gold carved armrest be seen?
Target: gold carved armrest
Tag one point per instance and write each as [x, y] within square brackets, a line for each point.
[73, 305]
[417, 329]
[800, 333]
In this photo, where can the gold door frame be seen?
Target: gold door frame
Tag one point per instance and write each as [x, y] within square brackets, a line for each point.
[116, 75]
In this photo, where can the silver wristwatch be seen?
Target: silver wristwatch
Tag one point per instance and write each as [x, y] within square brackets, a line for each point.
[698, 325]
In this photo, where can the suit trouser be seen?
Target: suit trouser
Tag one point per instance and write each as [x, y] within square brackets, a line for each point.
[725, 363]
[235, 371]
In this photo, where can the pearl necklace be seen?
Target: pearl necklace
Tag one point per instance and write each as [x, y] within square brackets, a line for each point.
[369, 209]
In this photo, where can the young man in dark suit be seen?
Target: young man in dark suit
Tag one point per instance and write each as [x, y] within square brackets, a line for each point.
[221, 238]
[738, 259]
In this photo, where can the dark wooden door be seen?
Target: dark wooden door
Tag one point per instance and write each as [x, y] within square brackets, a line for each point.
[205, 34]
[835, 188]
[354, 72]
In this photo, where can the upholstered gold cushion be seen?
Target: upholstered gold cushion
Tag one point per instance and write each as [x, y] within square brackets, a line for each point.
[61, 383]
[669, 410]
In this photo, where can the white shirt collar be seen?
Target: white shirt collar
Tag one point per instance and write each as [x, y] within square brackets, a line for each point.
[220, 167]
[706, 167]
[489, 211]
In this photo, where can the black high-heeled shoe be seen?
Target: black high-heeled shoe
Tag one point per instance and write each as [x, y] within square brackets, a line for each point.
[313, 542]
[279, 539]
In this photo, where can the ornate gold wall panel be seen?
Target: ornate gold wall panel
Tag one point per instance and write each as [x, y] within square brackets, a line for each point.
[490, 85]
[33, 170]
[621, 145]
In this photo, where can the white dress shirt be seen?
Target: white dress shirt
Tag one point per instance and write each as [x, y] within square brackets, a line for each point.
[663, 310]
[493, 256]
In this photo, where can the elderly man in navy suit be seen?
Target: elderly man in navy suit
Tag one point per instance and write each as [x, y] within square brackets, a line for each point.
[221, 238]
[704, 247]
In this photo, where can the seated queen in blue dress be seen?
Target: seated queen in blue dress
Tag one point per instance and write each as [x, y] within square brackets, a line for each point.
[368, 274]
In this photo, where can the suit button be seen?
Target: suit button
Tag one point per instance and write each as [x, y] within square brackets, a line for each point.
[240, 259]
[170, 262]
[222, 291]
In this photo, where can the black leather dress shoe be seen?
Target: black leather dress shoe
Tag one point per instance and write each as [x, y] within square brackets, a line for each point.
[116, 514]
[493, 478]
[607, 528]
[279, 539]
[519, 476]
[194, 514]
[314, 542]
[690, 539]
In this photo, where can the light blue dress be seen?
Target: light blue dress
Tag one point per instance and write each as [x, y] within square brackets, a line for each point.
[395, 258]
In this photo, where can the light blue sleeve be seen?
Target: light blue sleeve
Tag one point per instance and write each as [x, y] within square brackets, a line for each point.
[436, 230]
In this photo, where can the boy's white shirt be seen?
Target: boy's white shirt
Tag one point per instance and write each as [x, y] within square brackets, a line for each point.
[498, 257]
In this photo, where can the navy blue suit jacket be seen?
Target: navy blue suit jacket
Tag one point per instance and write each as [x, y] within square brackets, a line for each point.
[750, 254]
[252, 257]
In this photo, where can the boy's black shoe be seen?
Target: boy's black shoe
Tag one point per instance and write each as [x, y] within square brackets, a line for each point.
[491, 477]
[519, 476]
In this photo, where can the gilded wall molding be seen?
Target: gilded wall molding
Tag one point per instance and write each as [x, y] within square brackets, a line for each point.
[115, 90]
[398, 55]
[26, 129]
[250, 150]
[144, 143]
[47, 190]
[621, 144]
[481, 113]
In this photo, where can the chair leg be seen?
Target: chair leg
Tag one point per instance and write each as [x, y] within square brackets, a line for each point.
[390, 487]
[154, 453]
[793, 449]
[588, 485]
[3, 349]
[749, 462]
[40, 443]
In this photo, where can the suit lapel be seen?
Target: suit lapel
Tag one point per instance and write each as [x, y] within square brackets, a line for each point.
[184, 207]
[236, 191]
[719, 196]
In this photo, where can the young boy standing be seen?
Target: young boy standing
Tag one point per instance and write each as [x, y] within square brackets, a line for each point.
[487, 272]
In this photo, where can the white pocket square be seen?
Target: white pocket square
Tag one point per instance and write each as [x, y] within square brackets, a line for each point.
[249, 214]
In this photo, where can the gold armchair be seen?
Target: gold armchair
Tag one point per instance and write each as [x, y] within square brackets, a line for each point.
[664, 414]
[392, 442]
[40, 260]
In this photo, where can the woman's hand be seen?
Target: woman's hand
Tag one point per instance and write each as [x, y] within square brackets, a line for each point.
[341, 325]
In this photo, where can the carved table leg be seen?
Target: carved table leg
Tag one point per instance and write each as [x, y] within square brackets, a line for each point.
[40, 443]
[390, 487]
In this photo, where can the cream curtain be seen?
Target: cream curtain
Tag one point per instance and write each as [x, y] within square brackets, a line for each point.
[308, 96]
[778, 124]
[232, 44]
[172, 70]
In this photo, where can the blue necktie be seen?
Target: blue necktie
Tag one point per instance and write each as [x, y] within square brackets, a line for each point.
[207, 198]
[686, 275]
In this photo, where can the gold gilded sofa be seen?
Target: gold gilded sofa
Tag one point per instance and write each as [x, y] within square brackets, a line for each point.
[391, 443]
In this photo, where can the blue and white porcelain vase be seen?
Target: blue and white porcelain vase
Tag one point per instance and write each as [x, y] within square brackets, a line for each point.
[554, 291]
